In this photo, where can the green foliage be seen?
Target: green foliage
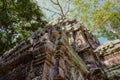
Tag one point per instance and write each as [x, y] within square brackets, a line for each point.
[102, 16]
[18, 18]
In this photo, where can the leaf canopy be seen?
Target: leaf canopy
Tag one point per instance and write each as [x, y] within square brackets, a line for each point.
[18, 18]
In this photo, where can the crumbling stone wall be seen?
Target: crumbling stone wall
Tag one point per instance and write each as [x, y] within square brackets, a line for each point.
[63, 50]
[109, 54]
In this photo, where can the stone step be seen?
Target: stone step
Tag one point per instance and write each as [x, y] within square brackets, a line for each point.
[39, 59]
[39, 55]
[38, 63]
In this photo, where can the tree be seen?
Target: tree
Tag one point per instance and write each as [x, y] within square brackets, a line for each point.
[108, 17]
[18, 18]
[102, 16]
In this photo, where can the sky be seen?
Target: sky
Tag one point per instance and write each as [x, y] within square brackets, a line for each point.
[102, 40]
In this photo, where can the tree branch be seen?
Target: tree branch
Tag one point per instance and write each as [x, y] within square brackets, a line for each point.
[68, 8]
[54, 2]
[51, 11]
[55, 8]
[62, 12]
[58, 4]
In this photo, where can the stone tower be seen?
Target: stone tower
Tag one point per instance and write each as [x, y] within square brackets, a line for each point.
[62, 50]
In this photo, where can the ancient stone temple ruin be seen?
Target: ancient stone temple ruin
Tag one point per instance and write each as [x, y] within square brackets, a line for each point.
[109, 54]
[63, 50]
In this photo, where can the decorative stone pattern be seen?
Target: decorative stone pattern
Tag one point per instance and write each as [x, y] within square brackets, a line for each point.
[109, 54]
[63, 50]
